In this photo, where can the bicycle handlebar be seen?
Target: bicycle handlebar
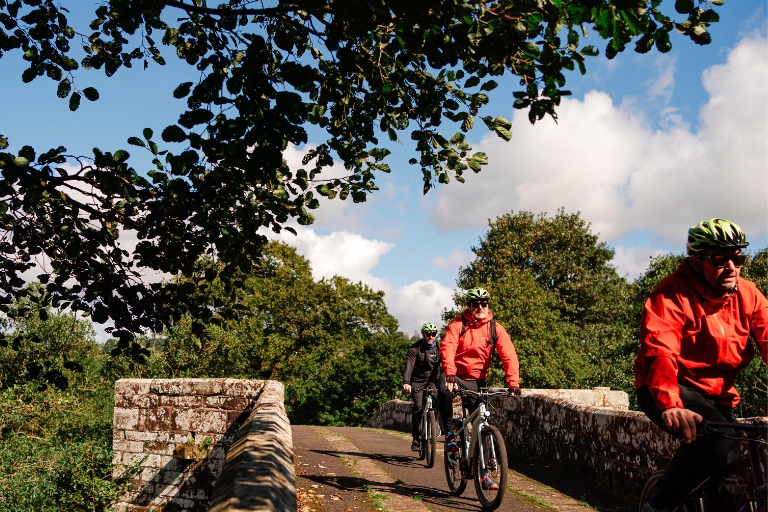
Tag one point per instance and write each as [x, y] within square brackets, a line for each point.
[483, 392]
[716, 427]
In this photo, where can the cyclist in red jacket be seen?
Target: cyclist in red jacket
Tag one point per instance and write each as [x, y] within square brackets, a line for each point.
[466, 350]
[694, 337]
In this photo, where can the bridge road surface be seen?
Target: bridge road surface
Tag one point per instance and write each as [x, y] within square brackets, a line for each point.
[346, 469]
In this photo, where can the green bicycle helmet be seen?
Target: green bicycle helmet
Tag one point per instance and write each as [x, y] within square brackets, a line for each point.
[477, 294]
[429, 327]
[715, 234]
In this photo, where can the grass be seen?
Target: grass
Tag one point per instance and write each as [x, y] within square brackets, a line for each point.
[534, 499]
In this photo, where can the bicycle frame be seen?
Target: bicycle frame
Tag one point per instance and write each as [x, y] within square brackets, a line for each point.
[478, 420]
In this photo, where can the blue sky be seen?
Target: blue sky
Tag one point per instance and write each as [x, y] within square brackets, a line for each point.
[646, 146]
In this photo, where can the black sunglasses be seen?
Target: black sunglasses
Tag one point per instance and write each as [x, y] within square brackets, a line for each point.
[430, 333]
[479, 303]
[721, 260]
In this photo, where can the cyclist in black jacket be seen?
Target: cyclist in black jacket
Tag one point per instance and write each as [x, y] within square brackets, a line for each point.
[421, 369]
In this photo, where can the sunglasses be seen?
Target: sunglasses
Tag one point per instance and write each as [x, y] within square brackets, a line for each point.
[430, 333]
[479, 303]
[721, 260]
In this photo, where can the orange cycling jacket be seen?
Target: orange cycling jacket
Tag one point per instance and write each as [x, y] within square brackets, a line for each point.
[693, 335]
[469, 356]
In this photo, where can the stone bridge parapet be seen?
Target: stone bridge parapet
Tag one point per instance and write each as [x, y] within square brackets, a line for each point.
[175, 439]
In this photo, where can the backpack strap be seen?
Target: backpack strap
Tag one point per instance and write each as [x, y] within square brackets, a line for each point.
[494, 336]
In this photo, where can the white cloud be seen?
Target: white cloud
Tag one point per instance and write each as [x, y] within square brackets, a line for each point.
[633, 261]
[339, 253]
[352, 256]
[609, 163]
[417, 303]
[457, 258]
[661, 84]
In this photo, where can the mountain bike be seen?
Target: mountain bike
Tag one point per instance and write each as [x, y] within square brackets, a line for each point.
[742, 482]
[429, 430]
[481, 453]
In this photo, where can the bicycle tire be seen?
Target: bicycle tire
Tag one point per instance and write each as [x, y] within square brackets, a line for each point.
[453, 473]
[650, 484]
[430, 443]
[422, 450]
[494, 453]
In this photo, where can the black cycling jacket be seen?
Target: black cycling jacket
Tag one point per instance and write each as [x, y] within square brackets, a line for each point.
[422, 363]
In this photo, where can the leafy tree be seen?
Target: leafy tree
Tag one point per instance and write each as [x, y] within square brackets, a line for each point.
[55, 444]
[43, 345]
[332, 343]
[563, 304]
[358, 70]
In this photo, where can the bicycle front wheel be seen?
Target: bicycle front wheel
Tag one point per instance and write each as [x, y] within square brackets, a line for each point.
[490, 463]
[650, 484]
[453, 473]
[430, 439]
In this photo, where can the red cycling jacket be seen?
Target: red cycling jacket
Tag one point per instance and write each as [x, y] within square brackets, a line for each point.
[693, 335]
[469, 356]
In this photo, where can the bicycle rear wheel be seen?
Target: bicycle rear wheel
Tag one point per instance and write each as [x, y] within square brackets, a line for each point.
[453, 473]
[430, 439]
[493, 454]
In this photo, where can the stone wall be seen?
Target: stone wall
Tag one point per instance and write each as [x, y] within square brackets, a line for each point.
[171, 437]
[620, 448]
[258, 472]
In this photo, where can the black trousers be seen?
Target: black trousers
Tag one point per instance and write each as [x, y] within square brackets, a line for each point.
[445, 400]
[419, 400]
[692, 463]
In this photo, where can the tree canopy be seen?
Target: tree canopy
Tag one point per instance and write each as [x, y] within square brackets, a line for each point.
[364, 72]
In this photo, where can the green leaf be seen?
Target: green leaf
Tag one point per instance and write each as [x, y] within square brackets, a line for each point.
[174, 134]
[471, 82]
[468, 123]
[489, 85]
[135, 141]
[684, 6]
[3, 142]
[65, 87]
[91, 94]
[74, 101]
[182, 90]
[147, 132]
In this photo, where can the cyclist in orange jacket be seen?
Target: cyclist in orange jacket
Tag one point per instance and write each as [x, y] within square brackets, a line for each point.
[466, 350]
[694, 337]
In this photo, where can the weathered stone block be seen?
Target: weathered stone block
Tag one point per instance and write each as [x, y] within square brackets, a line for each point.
[200, 420]
[132, 387]
[242, 388]
[199, 387]
[125, 419]
[128, 446]
[185, 401]
[149, 436]
[157, 419]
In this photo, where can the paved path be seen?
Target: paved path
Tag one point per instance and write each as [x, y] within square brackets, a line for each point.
[344, 469]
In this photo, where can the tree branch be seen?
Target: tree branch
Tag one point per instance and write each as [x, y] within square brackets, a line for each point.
[219, 12]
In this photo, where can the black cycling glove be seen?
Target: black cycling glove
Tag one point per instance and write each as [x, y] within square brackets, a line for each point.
[450, 379]
[514, 391]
